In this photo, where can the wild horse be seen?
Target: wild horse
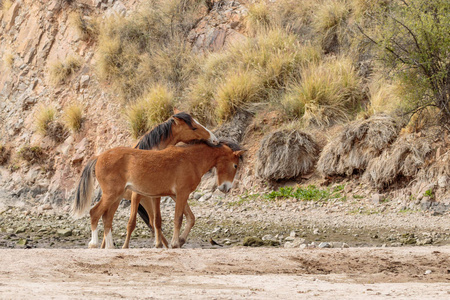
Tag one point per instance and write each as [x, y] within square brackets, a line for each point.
[174, 171]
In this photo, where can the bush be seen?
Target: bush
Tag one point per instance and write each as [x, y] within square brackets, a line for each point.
[327, 93]
[154, 107]
[5, 154]
[32, 154]
[87, 27]
[148, 47]
[73, 117]
[413, 39]
[44, 116]
[61, 70]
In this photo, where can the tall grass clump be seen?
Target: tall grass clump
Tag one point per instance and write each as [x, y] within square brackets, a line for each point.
[258, 16]
[60, 71]
[6, 5]
[154, 107]
[44, 117]
[327, 93]
[330, 23]
[86, 26]
[148, 47]
[73, 117]
[255, 71]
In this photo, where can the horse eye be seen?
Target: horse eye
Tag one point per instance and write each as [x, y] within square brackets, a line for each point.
[194, 129]
[235, 166]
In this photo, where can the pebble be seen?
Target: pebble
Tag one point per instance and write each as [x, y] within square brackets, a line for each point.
[427, 272]
[324, 245]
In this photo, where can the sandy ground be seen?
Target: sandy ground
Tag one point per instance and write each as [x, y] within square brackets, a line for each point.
[231, 273]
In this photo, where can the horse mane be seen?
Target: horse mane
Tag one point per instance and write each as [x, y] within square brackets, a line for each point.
[232, 145]
[161, 132]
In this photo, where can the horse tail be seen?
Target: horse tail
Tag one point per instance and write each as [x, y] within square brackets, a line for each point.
[144, 215]
[83, 196]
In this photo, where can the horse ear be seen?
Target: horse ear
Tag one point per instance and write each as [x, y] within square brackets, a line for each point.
[239, 153]
[176, 111]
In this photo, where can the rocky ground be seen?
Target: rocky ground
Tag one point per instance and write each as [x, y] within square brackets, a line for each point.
[248, 219]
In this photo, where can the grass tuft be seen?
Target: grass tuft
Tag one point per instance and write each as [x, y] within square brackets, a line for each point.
[32, 154]
[60, 71]
[73, 117]
[43, 117]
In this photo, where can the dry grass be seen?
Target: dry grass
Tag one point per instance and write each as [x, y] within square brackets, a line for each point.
[327, 93]
[148, 47]
[6, 5]
[384, 96]
[86, 26]
[290, 15]
[357, 145]
[8, 59]
[60, 71]
[286, 154]
[57, 132]
[238, 90]
[330, 23]
[403, 159]
[43, 117]
[32, 154]
[73, 117]
[5, 154]
[154, 107]
[258, 17]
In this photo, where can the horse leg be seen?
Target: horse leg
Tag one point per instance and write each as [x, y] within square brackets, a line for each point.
[135, 199]
[180, 204]
[109, 214]
[156, 210]
[147, 203]
[190, 221]
[96, 212]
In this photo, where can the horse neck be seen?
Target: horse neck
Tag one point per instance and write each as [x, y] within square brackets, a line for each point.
[206, 157]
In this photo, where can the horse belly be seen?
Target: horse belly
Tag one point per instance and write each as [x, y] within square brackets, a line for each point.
[156, 188]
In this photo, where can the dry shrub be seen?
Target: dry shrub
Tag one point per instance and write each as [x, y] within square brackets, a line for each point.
[384, 96]
[87, 27]
[73, 117]
[258, 17]
[357, 145]
[32, 154]
[327, 93]
[154, 107]
[43, 117]
[8, 59]
[292, 16]
[238, 90]
[286, 154]
[148, 47]
[57, 132]
[403, 159]
[330, 23]
[5, 154]
[61, 70]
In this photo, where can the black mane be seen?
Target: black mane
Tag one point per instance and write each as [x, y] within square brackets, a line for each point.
[232, 145]
[162, 132]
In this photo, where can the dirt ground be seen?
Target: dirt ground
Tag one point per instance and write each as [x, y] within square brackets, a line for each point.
[231, 273]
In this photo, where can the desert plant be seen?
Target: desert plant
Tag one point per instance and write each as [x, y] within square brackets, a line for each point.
[5, 5]
[56, 131]
[258, 17]
[8, 59]
[73, 117]
[43, 117]
[31, 154]
[413, 38]
[61, 70]
[154, 107]
[5, 154]
[327, 93]
[86, 26]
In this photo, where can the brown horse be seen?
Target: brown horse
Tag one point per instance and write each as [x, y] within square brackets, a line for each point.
[174, 172]
[181, 127]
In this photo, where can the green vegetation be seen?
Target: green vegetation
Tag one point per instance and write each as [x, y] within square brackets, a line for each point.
[429, 193]
[310, 193]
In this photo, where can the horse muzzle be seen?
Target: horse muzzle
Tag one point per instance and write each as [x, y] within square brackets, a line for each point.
[225, 187]
[213, 139]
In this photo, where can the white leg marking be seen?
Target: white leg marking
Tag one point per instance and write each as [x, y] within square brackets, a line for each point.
[94, 239]
[109, 241]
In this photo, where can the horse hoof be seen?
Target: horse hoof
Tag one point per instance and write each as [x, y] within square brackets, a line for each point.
[92, 245]
[182, 242]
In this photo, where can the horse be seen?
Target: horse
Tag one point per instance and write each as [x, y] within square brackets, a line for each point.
[181, 127]
[175, 171]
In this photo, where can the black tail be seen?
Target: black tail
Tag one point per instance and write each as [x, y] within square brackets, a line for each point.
[144, 215]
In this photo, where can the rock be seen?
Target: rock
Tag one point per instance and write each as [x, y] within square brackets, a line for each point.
[20, 230]
[64, 232]
[293, 234]
[316, 231]
[377, 198]
[443, 181]
[197, 195]
[84, 81]
[427, 272]
[251, 241]
[324, 245]
[267, 237]
[425, 241]
[22, 242]
[205, 197]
